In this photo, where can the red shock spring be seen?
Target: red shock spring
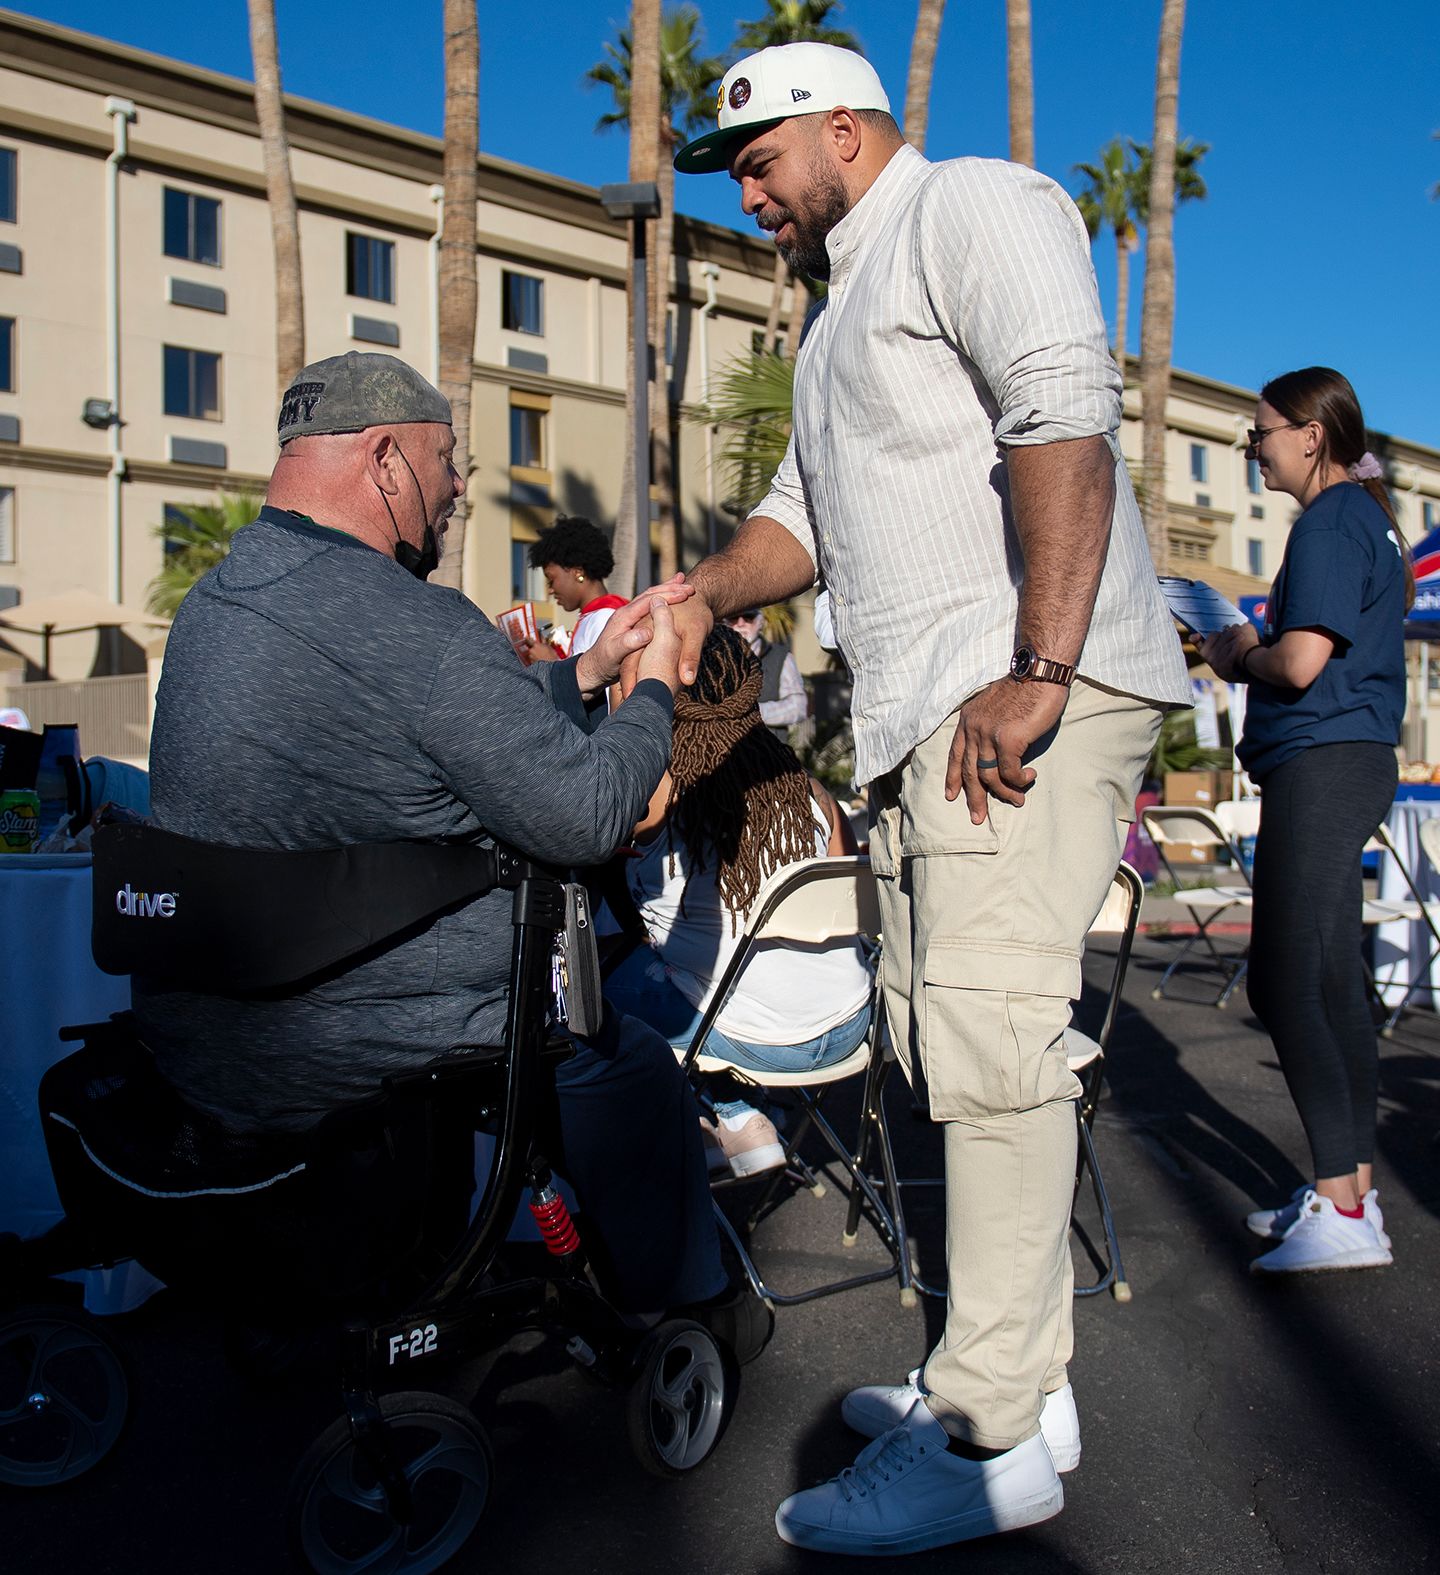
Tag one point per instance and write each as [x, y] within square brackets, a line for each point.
[554, 1222]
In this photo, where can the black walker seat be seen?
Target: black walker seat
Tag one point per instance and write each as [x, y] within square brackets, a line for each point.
[362, 1218]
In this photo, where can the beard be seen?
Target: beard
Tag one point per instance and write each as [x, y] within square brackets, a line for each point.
[826, 203]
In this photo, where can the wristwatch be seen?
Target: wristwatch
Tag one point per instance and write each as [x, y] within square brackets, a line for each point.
[1026, 665]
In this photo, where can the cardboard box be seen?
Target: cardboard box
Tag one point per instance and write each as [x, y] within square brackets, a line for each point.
[1204, 788]
[1198, 787]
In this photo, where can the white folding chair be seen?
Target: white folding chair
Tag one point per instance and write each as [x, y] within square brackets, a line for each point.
[815, 901]
[1085, 1055]
[1169, 824]
[1421, 909]
[1119, 915]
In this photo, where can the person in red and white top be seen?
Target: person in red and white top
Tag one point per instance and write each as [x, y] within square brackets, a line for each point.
[575, 557]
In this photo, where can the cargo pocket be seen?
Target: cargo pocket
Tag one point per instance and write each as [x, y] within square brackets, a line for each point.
[991, 1034]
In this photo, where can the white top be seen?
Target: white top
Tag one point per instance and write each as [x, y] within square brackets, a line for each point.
[787, 993]
[589, 628]
[961, 314]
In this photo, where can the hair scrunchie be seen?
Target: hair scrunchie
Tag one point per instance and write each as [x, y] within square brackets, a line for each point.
[1366, 468]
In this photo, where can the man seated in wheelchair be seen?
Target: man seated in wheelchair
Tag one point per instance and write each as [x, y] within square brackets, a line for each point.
[318, 692]
[735, 806]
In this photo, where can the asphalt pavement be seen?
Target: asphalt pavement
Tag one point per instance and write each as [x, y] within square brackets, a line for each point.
[1228, 1425]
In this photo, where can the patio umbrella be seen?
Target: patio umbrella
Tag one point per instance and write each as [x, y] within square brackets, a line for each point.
[72, 612]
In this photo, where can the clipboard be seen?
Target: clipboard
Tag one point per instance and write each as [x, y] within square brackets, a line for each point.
[1199, 608]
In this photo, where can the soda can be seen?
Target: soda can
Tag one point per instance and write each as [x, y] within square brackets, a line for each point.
[19, 820]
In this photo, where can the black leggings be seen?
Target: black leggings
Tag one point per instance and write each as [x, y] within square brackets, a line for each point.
[1306, 978]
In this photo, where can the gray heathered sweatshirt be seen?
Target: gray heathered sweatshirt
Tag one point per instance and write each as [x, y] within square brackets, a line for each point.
[314, 693]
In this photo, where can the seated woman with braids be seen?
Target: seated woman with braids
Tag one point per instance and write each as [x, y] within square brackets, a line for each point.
[735, 806]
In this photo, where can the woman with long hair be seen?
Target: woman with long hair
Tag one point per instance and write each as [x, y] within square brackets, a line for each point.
[734, 807]
[1322, 719]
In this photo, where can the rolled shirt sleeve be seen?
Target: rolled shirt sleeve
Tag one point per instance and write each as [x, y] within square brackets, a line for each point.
[1018, 293]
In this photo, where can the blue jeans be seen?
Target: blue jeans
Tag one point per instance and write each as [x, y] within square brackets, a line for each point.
[640, 988]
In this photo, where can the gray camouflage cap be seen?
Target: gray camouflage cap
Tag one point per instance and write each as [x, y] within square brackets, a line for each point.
[347, 393]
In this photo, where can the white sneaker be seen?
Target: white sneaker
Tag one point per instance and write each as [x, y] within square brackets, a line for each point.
[1276, 1224]
[1324, 1239]
[745, 1138]
[907, 1492]
[876, 1408]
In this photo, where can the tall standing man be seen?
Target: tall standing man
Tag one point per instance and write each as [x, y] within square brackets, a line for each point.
[955, 475]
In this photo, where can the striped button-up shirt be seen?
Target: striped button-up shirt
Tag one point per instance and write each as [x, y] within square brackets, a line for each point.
[962, 319]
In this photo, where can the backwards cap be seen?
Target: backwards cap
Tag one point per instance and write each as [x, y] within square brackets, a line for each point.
[765, 88]
[347, 393]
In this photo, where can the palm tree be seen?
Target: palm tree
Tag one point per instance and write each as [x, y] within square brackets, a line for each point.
[795, 22]
[687, 104]
[457, 283]
[280, 190]
[1118, 198]
[791, 22]
[196, 538]
[751, 400]
[922, 68]
[1108, 202]
[1021, 80]
[1157, 325]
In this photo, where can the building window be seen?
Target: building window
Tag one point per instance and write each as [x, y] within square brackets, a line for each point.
[9, 184]
[1430, 513]
[527, 584]
[192, 227]
[192, 383]
[523, 303]
[7, 355]
[527, 437]
[1199, 463]
[1255, 556]
[1257, 511]
[7, 524]
[369, 267]
[1253, 482]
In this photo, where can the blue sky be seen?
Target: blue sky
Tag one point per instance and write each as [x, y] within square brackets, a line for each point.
[1318, 243]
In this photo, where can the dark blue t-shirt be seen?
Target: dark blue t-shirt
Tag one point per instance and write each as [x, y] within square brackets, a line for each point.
[1343, 572]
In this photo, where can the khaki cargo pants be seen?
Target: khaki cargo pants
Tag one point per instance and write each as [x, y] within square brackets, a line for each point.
[983, 932]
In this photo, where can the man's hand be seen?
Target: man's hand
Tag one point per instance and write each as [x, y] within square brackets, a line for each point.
[660, 658]
[539, 651]
[1226, 650]
[627, 630]
[997, 725]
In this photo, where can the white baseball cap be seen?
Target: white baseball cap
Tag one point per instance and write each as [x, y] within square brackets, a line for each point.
[765, 88]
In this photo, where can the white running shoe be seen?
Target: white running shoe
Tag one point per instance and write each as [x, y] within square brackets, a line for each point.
[745, 1138]
[907, 1492]
[876, 1408]
[1276, 1224]
[1323, 1239]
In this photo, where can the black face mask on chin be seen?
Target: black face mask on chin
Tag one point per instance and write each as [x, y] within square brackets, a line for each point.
[420, 561]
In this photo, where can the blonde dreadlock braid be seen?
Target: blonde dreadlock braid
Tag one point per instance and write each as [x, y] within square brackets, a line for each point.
[736, 791]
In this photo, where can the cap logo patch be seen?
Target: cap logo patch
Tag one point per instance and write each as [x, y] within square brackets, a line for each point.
[799, 94]
[299, 404]
[739, 93]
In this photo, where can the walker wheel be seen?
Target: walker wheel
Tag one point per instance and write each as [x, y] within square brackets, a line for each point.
[339, 1519]
[680, 1401]
[63, 1396]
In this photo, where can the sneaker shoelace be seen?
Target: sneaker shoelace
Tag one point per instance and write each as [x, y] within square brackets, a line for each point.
[880, 1461]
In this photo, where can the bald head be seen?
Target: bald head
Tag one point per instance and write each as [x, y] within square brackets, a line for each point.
[384, 485]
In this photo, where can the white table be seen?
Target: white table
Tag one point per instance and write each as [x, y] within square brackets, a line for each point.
[47, 981]
[1403, 947]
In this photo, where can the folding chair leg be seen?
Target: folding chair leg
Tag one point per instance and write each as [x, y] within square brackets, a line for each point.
[1113, 1279]
[870, 1103]
[1223, 999]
